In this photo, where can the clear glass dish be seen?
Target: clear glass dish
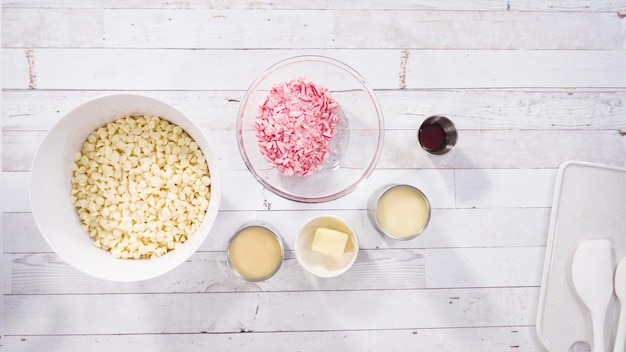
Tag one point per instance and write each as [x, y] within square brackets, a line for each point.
[354, 150]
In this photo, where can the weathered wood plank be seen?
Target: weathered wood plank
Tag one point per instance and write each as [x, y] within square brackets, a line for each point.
[481, 5]
[483, 267]
[20, 234]
[263, 4]
[146, 28]
[566, 5]
[437, 184]
[562, 109]
[52, 28]
[137, 69]
[476, 149]
[268, 311]
[497, 339]
[395, 269]
[19, 149]
[40, 109]
[504, 188]
[14, 188]
[245, 193]
[208, 272]
[489, 30]
[448, 228]
[462, 188]
[512, 68]
[220, 28]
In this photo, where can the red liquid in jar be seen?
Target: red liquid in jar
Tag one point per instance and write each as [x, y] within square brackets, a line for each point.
[432, 137]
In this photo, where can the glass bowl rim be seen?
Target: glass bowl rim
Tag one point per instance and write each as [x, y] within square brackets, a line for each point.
[364, 85]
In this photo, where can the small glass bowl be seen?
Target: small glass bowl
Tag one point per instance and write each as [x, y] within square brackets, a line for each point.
[374, 203]
[261, 249]
[354, 150]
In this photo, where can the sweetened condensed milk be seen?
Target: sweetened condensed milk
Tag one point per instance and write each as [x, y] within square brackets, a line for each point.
[255, 253]
[402, 211]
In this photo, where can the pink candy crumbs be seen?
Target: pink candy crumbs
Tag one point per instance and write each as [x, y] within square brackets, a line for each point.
[294, 126]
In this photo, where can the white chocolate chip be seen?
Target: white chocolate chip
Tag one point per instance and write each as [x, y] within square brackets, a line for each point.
[141, 187]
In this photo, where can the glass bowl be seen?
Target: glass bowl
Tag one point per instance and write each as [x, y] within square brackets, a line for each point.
[353, 151]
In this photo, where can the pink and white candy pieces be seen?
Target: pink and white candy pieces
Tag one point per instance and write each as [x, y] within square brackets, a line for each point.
[294, 126]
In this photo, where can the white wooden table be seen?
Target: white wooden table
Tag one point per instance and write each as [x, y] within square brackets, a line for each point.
[529, 83]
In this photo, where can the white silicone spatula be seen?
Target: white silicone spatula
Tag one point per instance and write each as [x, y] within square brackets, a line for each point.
[620, 291]
[592, 276]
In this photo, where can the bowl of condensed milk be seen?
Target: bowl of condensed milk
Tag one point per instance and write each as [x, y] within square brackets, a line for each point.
[256, 251]
[399, 211]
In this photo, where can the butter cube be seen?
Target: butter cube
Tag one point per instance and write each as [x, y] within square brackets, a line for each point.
[330, 242]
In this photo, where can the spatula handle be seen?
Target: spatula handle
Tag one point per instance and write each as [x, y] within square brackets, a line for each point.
[620, 338]
[598, 322]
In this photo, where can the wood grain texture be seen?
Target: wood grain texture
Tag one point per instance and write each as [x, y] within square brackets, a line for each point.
[529, 85]
[504, 188]
[463, 188]
[484, 109]
[204, 69]
[448, 228]
[143, 28]
[507, 68]
[377, 269]
[399, 269]
[451, 340]
[264, 4]
[499, 267]
[269, 311]
[576, 5]
[482, 5]
[475, 149]
[219, 28]
[490, 30]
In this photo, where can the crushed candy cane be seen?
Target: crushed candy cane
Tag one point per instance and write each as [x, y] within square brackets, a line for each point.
[294, 125]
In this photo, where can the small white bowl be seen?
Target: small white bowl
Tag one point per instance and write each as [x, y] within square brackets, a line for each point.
[319, 264]
[51, 185]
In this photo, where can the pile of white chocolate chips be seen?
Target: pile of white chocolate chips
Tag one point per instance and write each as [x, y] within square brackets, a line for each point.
[141, 187]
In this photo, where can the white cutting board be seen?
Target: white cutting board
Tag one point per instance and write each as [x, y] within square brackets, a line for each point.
[589, 202]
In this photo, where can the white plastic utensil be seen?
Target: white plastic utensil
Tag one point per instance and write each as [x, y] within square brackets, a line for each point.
[620, 291]
[592, 276]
